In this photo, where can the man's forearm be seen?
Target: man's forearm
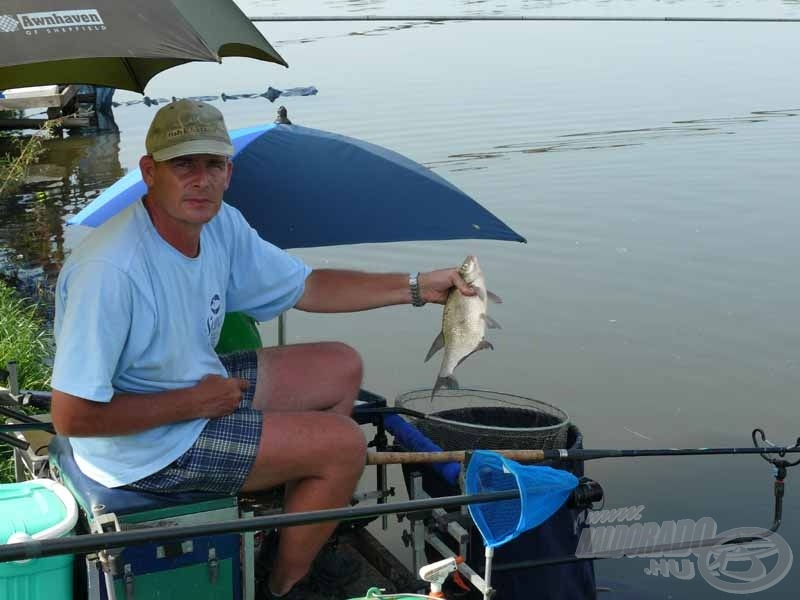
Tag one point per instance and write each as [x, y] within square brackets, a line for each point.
[333, 290]
[124, 414]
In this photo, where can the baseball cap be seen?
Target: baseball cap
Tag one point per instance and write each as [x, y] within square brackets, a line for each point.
[187, 127]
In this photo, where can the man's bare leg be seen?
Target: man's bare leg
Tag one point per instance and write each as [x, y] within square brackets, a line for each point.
[308, 441]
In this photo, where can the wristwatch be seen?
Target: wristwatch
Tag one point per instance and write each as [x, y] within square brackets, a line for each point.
[416, 296]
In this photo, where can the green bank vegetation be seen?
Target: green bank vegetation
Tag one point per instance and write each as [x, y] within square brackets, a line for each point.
[25, 151]
[25, 338]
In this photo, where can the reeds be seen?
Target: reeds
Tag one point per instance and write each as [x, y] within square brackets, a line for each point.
[14, 166]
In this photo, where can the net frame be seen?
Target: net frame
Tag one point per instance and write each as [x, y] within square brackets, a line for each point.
[449, 429]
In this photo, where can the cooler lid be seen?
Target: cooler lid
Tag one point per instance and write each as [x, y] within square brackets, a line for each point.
[38, 509]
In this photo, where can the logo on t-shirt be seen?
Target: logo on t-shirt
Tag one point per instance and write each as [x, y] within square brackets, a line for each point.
[214, 320]
[216, 302]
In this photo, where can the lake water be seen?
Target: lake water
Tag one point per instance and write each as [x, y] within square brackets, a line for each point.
[651, 166]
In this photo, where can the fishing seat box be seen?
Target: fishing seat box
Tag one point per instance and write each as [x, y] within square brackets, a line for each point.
[40, 509]
[218, 567]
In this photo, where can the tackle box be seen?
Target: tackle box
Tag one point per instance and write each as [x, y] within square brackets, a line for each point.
[39, 509]
[218, 567]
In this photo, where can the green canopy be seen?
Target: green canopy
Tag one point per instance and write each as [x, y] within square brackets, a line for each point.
[119, 44]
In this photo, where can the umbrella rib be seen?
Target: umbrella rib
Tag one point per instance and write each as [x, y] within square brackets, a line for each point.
[133, 75]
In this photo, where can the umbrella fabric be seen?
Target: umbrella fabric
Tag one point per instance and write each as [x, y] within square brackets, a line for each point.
[542, 492]
[119, 44]
[301, 187]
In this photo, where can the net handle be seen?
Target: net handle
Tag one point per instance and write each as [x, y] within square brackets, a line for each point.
[411, 458]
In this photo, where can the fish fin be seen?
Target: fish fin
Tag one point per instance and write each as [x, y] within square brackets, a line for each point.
[482, 345]
[437, 345]
[494, 297]
[448, 383]
[481, 293]
[490, 322]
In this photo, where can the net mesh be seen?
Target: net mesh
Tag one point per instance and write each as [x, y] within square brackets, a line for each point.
[477, 419]
[543, 491]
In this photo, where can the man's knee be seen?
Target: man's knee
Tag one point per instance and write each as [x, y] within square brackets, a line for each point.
[343, 447]
[351, 445]
[348, 361]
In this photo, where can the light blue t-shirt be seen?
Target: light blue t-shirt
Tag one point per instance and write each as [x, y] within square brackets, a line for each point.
[135, 315]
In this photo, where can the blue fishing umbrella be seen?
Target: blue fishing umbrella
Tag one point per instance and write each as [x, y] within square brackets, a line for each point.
[542, 491]
[301, 187]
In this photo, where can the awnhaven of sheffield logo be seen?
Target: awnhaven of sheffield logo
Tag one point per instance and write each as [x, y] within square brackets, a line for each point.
[53, 22]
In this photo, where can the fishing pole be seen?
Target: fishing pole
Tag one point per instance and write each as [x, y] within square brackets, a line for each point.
[40, 426]
[12, 441]
[442, 18]
[761, 446]
[107, 541]
[407, 458]
[25, 423]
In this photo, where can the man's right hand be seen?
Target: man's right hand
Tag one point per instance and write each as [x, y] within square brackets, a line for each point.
[219, 396]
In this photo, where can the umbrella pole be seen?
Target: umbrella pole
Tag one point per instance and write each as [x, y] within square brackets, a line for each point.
[282, 329]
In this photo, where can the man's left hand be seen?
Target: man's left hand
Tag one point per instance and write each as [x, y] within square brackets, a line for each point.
[435, 286]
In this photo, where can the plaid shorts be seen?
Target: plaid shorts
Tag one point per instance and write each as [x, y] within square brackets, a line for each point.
[221, 458]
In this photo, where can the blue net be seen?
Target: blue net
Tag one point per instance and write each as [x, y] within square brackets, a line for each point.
[543, 490]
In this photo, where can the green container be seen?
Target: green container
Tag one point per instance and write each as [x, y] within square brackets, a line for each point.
[239, 332]
[38, 509]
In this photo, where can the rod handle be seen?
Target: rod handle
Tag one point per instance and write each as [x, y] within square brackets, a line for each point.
[409, 458]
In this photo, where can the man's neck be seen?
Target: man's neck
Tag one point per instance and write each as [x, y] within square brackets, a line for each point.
[184, 237]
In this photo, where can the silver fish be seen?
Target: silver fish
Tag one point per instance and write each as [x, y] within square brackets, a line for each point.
[464, 324]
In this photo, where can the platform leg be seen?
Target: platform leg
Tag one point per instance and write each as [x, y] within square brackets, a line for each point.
[248, 561]
[417, 527]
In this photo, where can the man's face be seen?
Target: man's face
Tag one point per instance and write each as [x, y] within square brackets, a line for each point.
[188, 189]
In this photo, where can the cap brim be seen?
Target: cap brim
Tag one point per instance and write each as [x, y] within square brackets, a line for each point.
[194, 147]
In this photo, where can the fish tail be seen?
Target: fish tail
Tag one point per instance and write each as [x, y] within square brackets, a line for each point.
[448, 383]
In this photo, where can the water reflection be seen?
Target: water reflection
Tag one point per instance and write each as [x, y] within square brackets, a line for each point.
[610, 139]
[356, 6]
[371, 31]
[69, 173]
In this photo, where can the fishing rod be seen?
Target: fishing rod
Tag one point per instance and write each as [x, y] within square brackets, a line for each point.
[40, 426]
[409, 458]
[24, 423]
[12, 441]
[106, 541]
[761, 446]
[443, 18]
[586, 491]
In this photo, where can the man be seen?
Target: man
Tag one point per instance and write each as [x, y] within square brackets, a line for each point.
[137, 385]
